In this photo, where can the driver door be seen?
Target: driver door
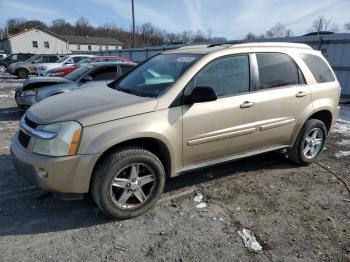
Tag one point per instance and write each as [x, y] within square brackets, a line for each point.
[216, 129]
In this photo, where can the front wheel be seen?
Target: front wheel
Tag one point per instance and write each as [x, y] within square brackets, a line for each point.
[128, 182]
[310, 142]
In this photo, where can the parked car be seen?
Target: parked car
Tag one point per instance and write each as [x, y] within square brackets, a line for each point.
[181, 110]
[38, 88]
[67, 60]
[13, 58]
[24, 69]
[63, 71]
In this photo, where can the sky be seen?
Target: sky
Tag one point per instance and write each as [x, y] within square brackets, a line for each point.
[228, 18]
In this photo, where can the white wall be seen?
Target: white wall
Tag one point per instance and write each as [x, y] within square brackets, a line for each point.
[84, 47]
[23, 43]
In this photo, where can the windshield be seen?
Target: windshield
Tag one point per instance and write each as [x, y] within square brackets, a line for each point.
[29, 60]
[84, 62]
[78, 73]
[62, 59]
[155, 76]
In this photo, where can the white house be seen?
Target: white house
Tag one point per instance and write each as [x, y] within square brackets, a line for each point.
[42, 41]
[91, 43]
[35, 40]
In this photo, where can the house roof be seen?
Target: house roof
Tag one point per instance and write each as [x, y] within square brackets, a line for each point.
[35, 28]
[75, 39]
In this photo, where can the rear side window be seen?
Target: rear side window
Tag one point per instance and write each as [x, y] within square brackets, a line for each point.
[227, 76]
[319, 68]
[277, 70]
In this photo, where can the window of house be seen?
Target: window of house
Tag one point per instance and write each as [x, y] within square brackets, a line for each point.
[100, 47]
[35, 44]
[89, 47]
[276, 70]
[106, 47]
[319, 68]
[78, 47]
[227, 76]
[46, 44]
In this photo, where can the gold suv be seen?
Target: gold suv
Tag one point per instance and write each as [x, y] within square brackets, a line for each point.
[180, 110]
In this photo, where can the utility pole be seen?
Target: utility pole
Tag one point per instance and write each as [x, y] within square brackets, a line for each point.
[133, 24]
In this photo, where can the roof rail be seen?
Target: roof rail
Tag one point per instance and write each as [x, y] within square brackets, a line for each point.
[272, 44]
[192, 47]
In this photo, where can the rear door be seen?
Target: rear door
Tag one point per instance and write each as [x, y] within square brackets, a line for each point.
[281, 99]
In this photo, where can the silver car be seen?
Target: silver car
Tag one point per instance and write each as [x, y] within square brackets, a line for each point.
[24, 69]
[35, 89]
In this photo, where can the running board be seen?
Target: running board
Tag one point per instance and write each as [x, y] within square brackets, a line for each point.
[229, 158]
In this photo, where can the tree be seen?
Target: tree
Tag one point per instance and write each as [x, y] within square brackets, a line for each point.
[61, 27]
[83, 27]
[323, 24]
[251, 36]
[347, 26]
[199, 37]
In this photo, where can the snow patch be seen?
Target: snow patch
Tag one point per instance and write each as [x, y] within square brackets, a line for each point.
[250, 241]
[342, 154]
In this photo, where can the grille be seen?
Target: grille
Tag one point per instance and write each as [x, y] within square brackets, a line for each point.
[23, 139]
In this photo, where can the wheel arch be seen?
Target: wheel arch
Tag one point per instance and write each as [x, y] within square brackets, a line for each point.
[154, 145]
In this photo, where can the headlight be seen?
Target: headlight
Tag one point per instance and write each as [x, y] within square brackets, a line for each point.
[65, 143]
[28, 93]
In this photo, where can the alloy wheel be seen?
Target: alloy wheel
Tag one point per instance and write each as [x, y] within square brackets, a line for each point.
[132, 186]
[313, 143]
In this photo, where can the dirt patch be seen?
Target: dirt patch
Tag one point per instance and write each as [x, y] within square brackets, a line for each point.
[296, 213]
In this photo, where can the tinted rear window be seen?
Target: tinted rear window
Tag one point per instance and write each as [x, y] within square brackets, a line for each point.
[276, 70]
[319, 68]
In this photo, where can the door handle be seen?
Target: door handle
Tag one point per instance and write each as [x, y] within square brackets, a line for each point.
[247, 104]
[301, 94]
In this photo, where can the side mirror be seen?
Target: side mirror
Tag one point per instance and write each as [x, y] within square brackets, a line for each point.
[201, 94]
[87, 78]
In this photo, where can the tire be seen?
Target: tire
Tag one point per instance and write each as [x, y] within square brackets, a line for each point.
[119, 166]
[297, 153]
[2, 68]
[22, 73]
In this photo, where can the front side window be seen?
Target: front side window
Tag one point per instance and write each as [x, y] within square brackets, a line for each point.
[157, 75]
[46, 44]
[227, 76]
[319, 68]
[89, 47]
[78, 73]
[277, 70]
[35, 44]
[12, 58]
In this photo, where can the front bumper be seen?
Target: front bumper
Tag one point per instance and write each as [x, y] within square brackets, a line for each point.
[69, 174]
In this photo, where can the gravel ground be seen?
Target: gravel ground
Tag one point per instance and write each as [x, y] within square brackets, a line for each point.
[296, 213]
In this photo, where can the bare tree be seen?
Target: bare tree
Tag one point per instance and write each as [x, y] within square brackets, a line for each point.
[251, 36]
[83, 27]
[347, 26]
[61, 27]
[199, 37]
[324, 24]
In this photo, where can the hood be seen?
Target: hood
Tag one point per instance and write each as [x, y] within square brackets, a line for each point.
[90, 106]
[37, 82]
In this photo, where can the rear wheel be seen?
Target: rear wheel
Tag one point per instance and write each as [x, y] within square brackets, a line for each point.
[128, 182]
[310, 142]
[22, 73]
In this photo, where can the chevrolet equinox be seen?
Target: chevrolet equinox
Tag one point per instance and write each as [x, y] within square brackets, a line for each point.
[180, 110]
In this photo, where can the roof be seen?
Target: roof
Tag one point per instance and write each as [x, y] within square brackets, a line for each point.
[75, 39]
[35, 28]
[205, 49]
